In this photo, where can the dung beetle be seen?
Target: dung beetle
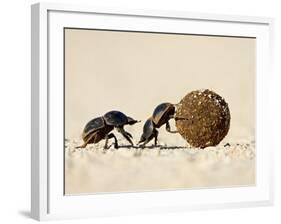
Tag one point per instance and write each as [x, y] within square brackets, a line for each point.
[161, 115]
[99, 128]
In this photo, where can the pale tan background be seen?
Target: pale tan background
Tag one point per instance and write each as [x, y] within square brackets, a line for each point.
[134, 72]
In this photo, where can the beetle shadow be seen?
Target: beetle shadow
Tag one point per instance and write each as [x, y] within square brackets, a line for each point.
[152, 147]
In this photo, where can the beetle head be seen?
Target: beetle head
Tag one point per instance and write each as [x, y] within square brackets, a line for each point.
[132, 121]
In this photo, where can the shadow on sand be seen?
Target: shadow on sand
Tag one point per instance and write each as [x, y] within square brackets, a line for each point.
[152, 147]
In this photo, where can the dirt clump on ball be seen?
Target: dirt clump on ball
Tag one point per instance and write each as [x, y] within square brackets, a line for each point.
[203, 118]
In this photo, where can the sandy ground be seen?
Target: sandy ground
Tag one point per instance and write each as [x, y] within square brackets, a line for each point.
[166, 167]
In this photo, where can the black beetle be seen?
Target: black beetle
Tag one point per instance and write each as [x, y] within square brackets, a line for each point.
[99, 128]
[161, 115]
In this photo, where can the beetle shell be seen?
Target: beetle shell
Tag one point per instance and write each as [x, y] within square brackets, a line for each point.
[97, 135]
[93, 126]
[115, 118]
[148, 129]
[162, 114]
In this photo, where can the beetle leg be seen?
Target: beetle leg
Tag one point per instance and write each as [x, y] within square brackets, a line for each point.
[168, 128]
[129, 134]
[86, 143]
[106, 142]
[171, 116]
[141, 140]
[177, 118]
[125, 134]
[144, 143]
[81, 146]
[155, 137]
[146, 140]
[111, 135]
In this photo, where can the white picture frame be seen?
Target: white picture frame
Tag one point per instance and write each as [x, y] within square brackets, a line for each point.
[47, 199]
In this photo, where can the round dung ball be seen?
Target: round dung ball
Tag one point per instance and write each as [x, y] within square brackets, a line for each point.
[203, 118]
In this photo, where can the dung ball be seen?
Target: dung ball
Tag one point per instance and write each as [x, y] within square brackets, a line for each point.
[203, 118]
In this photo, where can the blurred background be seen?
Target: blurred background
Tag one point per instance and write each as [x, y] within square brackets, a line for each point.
[134, 72]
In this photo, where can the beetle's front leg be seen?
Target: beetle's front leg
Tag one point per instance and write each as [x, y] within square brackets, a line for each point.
[168, 128]
[125, 134]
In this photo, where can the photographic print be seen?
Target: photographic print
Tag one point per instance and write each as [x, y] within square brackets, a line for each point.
[147, 111]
